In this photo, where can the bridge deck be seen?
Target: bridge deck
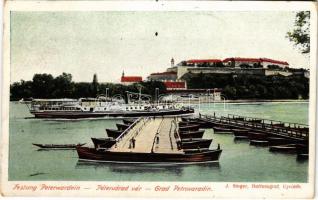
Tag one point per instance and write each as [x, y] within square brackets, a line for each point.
[145, 133]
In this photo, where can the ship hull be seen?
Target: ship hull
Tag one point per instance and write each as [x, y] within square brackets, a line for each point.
[91, 154]
[195, 143]
[191, 134]
[103, 142]
[82, 114]
[113, 133]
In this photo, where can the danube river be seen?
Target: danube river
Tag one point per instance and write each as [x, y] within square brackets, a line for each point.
[239, 161]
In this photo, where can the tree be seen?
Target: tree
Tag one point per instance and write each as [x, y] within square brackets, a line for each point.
[300, 35]
[95, 86]
[42, 85]
[22, 89]
[63, 86]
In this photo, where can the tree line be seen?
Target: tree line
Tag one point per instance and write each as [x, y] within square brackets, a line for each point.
[46, 86]
[246, 86]
[233, 86]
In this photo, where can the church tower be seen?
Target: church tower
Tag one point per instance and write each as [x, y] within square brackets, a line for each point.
[172, 62]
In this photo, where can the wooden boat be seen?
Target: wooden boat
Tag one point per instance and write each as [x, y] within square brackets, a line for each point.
[299, 129]
[189, 128]
[113, 133]
[239, 118]
[58, 146]
[259, 142]
[220, 129]
[255, 120]
[289, 148]
[210, 123]
[103, 142]
[191, 134]
[302, 149]
[128, 121]
[91, 154]
[205, 124]
[276, 141]
[195, 150]
[185, 119]
[304, 129]
[257, 136]
[278, 125]
[240, 133]
[122, 127]
[195, 143]
[188, 123]
[302, 156]
[202, 124]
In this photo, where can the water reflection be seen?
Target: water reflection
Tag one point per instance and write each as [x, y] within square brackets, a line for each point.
[302, 158]
[57, 149]
[213, 166]
[129, 168]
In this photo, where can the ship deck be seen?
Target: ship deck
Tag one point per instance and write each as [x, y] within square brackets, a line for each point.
[145, 133]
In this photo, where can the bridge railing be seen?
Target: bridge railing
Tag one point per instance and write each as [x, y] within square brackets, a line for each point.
[269, 121]
[298, 131]
[127, 129]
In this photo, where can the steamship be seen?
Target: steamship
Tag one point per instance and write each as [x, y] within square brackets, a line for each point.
[102, 107]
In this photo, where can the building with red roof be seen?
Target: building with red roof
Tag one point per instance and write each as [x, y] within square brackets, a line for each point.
[175, 85]
[128, 80]
[254, 62]
[201, 61]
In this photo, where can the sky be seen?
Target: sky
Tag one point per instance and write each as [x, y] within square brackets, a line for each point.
[108, 43]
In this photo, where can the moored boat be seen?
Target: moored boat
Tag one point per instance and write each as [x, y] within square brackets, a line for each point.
[289, 148]
[240, 133]
[195, 143]
[195, 150]
[202, 124]
[220, 129]
[91, 154]
[302, 149]
[189, 128]
[113, 132]
[191, 134]
[185, 119]
[255, 120]
[278, 125]
[239, 118]
[302, 156]
[188, 123]
[103, 142]
[128, 121]
[259, 142]
[122, 127]
[58, 146]
[257, 136]
[276, 141]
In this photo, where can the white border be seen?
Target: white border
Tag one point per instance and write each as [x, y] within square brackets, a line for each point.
[218, 187]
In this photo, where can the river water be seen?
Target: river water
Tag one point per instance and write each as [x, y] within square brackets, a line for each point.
[239, 162]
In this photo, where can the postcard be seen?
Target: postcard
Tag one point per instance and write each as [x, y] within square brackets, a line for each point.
[175, 99]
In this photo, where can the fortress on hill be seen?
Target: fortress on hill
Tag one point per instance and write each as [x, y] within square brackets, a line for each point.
[175, 76]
